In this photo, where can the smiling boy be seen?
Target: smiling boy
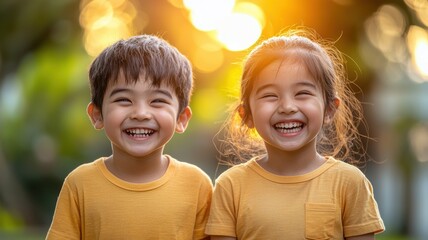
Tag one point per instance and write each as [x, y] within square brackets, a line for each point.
[140, 89]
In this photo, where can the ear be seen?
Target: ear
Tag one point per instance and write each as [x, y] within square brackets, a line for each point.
[95, 116]
[245, 116]
[331, 110]
[183, 120]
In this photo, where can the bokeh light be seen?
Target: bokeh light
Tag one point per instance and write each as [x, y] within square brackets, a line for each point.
[417, 43]
[252, 10]
[421, 9]
[207, 60]
[418, 137]
[239, 32]
[106, 21]
[207, 15]
[237, 27]
[385, 30]
[46, 65]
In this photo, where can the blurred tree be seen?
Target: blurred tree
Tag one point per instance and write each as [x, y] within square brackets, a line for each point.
[36, 40]
[44, 131]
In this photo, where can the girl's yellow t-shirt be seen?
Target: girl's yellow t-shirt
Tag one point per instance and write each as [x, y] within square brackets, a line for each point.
[332, 202]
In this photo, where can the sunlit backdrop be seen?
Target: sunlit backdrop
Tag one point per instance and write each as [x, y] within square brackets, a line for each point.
[46, 48]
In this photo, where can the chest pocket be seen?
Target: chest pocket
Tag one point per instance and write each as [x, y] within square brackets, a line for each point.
[319, 220]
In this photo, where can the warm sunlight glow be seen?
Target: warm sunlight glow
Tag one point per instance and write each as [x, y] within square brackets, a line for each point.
[421, 57]
[207, 105]
[176, 3]
[252, 10]
[207, 15]
[117, 3]
[206, 60]
[96, 40]
[106, 21]
[207, 20]
[237, 27]
[239, 32]
[95, 14]
[417, 43]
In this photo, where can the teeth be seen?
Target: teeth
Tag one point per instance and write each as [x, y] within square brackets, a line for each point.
[289, 125]
[140, 132]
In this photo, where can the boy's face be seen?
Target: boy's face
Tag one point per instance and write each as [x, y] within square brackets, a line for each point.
[139, 119]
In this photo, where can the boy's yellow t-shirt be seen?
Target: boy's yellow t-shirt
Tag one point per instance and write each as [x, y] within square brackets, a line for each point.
[332, 202]
[94, 204]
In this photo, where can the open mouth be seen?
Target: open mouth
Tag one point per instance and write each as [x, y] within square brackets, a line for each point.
[139, 132]
[290, 127]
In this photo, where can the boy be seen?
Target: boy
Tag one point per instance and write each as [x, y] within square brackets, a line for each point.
[140, 91]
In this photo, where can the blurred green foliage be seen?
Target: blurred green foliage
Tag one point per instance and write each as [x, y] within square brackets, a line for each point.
[44, 130]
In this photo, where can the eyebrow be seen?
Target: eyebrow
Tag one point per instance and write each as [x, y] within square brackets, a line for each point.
[302, 83]
[264, 87]
[164, 92]
[127, 90]
[119, 90]
[307, 84]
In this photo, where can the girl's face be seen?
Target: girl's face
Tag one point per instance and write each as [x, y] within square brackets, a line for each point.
[139, 119]
[287, 107]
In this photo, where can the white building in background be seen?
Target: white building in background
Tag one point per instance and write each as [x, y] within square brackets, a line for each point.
[401, 181]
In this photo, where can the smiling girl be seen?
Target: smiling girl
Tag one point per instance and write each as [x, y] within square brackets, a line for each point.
[295, 183]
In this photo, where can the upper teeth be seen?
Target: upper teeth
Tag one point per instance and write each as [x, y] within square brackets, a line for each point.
[288, 125]
[140, 131]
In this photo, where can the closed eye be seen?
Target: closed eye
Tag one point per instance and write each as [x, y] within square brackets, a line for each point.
[304, 93]
[122, 100]
[268, 96]
[160, 101]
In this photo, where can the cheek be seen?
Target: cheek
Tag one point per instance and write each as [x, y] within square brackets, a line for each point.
[316, 109]
[167, 115]
[261, 112]
[113, 115]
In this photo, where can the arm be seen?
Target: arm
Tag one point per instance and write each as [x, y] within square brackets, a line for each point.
[361, 217]
[66, 220]
[369, 236]
[222, 238]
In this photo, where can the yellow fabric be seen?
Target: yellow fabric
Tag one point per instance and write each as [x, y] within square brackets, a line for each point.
[94, 204]
[332, 202]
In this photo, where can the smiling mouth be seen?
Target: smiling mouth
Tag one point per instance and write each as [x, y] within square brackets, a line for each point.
[139, 132]
[290, 127]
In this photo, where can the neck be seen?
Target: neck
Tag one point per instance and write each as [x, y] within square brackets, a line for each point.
[137, 169]
[291, 163]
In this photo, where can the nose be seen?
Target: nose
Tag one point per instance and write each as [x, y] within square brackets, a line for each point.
[287, 106]
[140, 112]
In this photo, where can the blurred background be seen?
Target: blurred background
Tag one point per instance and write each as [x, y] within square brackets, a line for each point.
[46, 47]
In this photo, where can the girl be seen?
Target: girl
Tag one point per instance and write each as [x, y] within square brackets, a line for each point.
[295, 99]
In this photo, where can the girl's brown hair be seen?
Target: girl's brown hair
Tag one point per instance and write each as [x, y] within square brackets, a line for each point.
[340, 139]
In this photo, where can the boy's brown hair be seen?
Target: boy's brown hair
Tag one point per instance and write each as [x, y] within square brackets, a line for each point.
[144, 55]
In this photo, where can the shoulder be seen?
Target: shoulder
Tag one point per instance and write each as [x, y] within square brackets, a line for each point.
[84, 171]
[234, 174]
[189, 170]
[348, 169]
[347, 173]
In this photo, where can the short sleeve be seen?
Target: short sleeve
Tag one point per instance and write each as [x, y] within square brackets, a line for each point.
[204, 203]
[361, 213]
[66, 219]
[222, 220]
